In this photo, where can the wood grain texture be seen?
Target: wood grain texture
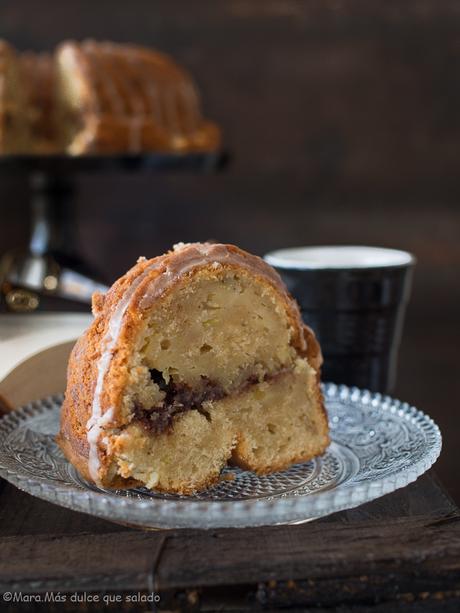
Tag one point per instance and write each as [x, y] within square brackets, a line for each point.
[355, 559]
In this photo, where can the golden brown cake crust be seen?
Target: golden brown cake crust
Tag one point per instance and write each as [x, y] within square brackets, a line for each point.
[145, 284]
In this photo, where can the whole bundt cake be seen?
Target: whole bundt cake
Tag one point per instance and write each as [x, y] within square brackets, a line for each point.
[194, 359]
[99, 98]
[126, 98]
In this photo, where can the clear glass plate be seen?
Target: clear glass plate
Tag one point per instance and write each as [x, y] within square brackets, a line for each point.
[378, 445]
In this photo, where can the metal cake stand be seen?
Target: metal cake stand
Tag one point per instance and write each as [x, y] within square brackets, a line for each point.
[52, 267]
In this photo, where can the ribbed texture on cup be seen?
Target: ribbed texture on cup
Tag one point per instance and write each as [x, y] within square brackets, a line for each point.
[357, 316]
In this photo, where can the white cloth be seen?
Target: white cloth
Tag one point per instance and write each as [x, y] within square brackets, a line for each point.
[22, 336]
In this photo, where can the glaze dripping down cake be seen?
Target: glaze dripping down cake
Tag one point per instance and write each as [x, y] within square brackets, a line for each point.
[195, 359]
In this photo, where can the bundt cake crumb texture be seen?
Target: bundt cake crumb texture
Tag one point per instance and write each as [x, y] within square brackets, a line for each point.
[195, 359]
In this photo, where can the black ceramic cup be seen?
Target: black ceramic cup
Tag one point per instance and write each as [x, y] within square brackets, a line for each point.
[354, 298]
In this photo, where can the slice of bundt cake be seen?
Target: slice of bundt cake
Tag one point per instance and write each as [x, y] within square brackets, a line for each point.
[194, 359]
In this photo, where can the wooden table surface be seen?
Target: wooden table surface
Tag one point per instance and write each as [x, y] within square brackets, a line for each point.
[401, 552]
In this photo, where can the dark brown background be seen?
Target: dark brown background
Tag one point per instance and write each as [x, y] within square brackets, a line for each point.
[343, 118]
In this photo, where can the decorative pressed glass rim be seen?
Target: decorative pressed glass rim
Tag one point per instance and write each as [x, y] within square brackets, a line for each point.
[375, 462]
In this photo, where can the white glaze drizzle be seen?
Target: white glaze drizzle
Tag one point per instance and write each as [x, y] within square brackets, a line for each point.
[155, 103]
[97, 421]
[172, 113]
[191, 255]
[135, 134]
[191, 107]
[106, 80]
[137, 112]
